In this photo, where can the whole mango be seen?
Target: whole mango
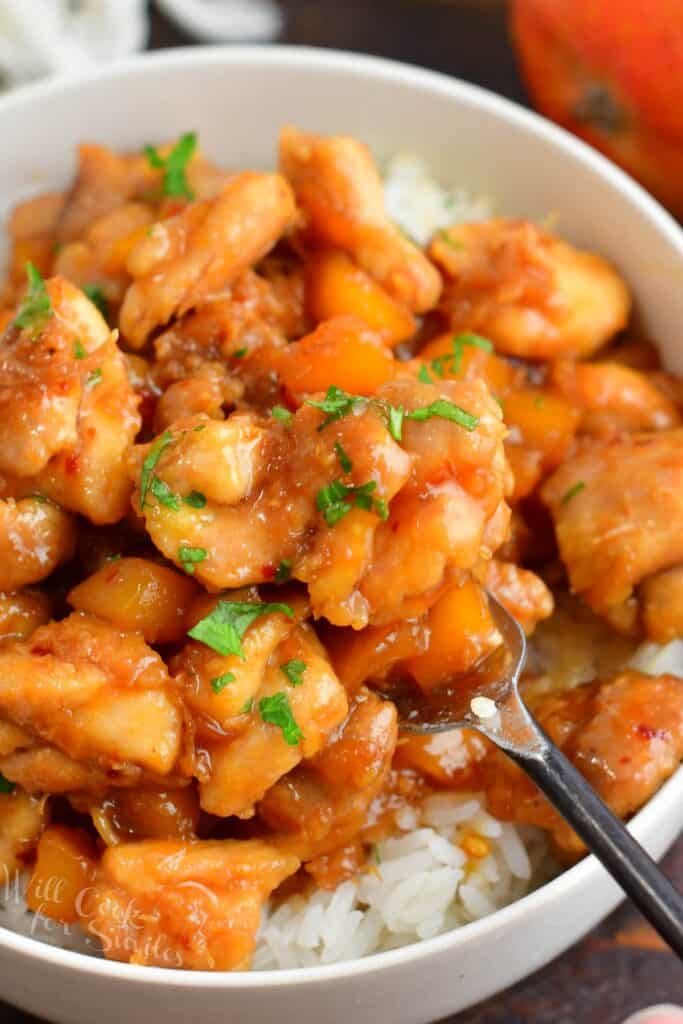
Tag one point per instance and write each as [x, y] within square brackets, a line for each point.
[611, 71]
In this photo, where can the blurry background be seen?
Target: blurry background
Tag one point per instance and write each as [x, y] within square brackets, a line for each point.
[622, 965]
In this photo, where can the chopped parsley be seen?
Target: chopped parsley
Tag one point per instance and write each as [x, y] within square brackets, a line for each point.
[174, 165]
[223, 628]
[79, 351]
[278, 412]
[395, 416]
[441, 364]
[150, 463]
[573, 491]
[276, 710]
[337, 499]
[283, 571]
[97, 297]
[293, 671]
[240, 353]
[344, 460]
[444, 410]
[36, 306]
[195, 499]
[423, 375]
[220, 682]
[247, 706]
[94, 378]
[376, 854]
[190, 557]
[453, 242]
[164, 495]
[336, 404]
[5, 785]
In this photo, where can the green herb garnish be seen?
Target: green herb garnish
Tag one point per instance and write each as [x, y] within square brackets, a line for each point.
[336, 404]
[293, 671]
[190, 557]
[223, 628]
[247, 706]
[79, 350]
[453, 242]
[423, 375]
[240, 353]
[164, 495]
[195, 499]
[344, 460]
[444, 410]
[283, 571]
[174, 165]
[5, 785]
[572, 492]
[94, 378]
[220, 682]
[97, 297]
[278, 412]
[36, 307]
[150, 463]
[276, 710]
[337, 499]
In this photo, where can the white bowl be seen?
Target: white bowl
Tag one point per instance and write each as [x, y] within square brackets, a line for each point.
[237, 99]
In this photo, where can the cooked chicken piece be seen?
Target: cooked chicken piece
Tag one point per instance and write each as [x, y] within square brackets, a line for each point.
[522, 592]
[340, 192]
[42, 378]
[35, 537]
[614, 399]
[21, 612]
[624, 733]
[323, 804]
[451, 512]
[240, 751]
[22, 819]
[67, 410]
[617, 509]
[204, 392]
[32, 226]
[260, 479]
[99, 258]
[532, 294]
[189, 258]
[230, 329]
[99, 695]
[105, 180]
[661, 605]
[44, 769]
[179, 904]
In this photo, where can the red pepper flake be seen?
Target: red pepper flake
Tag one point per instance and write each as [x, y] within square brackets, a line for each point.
[268, 572]
[71, 464]
[648, 733]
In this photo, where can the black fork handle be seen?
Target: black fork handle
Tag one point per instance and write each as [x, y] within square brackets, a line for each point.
[611, 842]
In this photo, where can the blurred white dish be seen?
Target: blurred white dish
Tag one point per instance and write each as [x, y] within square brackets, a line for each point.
[237, 99]
[222, 21]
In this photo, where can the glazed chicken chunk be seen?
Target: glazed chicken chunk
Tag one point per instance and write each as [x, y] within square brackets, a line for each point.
[624, 733]
[174, 904]
[340, 192]
[617, 508]
[100, 697]
[532, 294]
[258, 712]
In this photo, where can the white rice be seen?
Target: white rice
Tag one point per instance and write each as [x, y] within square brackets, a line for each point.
[420, 205]
[417, 884]
[422, 881]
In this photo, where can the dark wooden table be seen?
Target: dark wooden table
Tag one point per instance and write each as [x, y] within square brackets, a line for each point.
[621, 966]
